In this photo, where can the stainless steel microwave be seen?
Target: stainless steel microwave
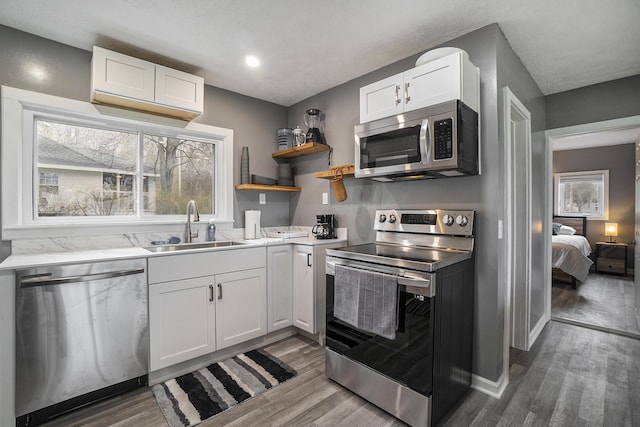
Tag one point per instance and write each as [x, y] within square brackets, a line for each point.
[433, 142]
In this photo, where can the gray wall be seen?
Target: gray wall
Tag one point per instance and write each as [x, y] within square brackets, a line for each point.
[489, 51]
[68, 74]
[620, 161]
[604, 101]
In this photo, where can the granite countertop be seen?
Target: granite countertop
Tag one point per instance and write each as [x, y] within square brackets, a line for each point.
[94, 255]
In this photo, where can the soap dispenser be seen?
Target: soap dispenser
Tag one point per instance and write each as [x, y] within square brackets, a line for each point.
[211, 231]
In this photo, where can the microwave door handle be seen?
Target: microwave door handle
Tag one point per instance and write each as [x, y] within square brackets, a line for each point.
[425, 142]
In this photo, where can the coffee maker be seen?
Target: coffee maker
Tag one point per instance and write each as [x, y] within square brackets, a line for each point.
[325, 227]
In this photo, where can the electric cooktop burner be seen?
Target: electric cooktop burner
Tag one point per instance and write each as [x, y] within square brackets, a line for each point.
[424, 240]
[416, 258]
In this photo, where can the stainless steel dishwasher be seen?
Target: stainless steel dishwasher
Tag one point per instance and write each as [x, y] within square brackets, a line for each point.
[81, 335]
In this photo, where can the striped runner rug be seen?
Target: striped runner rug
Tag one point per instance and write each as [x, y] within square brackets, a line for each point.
[190, 399]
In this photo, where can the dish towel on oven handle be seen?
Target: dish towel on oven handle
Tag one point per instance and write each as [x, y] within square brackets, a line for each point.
[366, 300]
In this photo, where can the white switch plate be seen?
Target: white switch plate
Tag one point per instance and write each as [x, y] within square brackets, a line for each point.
[500, 231]
[325, 198]
[263, 199]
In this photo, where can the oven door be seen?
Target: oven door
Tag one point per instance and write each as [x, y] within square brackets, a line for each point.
[408, 358]
[397, 148]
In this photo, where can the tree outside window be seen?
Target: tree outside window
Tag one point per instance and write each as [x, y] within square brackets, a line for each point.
[100, 172]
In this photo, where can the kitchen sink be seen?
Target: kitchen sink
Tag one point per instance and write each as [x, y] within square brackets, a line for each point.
[188, 246]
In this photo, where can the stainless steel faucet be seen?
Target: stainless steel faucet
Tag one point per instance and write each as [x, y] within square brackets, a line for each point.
[196, 218]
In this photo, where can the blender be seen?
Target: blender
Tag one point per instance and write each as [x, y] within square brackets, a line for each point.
[314, 119]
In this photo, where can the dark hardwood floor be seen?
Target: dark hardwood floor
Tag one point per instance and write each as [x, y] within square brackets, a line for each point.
[571, 376]
[603, 300]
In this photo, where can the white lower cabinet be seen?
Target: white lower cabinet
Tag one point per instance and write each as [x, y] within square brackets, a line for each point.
[279, 287]
[303, 288]
[224, 305]
[241, 306]
[182, 322]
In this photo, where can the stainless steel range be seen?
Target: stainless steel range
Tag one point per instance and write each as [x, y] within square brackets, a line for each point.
[400, 313]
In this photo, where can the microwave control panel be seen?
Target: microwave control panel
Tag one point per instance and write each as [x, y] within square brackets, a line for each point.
[443, 139]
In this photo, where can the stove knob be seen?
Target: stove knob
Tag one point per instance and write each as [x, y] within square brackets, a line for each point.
[382, 218]
[447, 220]
[461, 220]
[392, 218]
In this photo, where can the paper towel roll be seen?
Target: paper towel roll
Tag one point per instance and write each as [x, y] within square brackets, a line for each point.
[251, 224]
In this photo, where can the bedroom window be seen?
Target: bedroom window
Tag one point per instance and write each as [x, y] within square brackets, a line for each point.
[582, 194]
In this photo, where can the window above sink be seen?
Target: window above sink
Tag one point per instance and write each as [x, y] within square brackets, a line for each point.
[72, 167]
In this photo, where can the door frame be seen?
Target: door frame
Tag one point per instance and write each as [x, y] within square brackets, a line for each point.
[517, 130]
[550, 136]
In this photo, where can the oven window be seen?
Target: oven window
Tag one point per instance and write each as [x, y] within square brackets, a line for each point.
[397, 147]
[406, 359]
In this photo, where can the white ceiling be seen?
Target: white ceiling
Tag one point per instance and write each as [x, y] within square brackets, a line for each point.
[307, 46]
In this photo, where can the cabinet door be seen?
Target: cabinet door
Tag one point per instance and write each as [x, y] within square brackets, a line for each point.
[241, 303]
[122, 75]
[181, 321]
[179, 89]
[303, 289]
[381, 99]
[432, 83]
[279, 287]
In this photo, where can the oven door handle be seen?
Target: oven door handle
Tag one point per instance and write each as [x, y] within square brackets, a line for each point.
[417, 286]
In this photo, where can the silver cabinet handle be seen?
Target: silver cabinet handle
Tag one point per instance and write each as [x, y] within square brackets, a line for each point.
[47, 279]
[397, 94]
[308, 260]
[210, 292]
[219, 290]
[407, 98]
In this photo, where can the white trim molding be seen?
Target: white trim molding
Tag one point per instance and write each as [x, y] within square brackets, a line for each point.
[517, 236]
[494, 389]
[19, 110]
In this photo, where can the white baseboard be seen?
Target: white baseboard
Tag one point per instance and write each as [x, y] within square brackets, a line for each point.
[488, 387]
[533, 335]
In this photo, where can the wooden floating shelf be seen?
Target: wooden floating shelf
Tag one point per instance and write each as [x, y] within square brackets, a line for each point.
[347, 171]
[302, 150]
[263, 187]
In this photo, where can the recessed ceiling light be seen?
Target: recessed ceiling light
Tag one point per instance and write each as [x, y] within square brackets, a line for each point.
[252, 61]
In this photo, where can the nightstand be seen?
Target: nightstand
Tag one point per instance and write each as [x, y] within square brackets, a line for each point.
[611, 258]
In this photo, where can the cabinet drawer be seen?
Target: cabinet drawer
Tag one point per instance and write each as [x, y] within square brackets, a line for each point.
[610, 265]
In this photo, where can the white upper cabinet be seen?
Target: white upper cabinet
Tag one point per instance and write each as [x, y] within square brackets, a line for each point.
[443, 79]
[130, 82]
[381, 99]
[121, 74]
[179, 89]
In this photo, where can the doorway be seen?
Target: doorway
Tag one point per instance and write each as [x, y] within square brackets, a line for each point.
[517, 227]
[601, 299]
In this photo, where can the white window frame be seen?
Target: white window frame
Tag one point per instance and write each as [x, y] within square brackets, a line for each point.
[21, 107]
[604, 174]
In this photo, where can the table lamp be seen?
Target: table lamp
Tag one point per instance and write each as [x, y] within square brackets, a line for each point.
[611, 230]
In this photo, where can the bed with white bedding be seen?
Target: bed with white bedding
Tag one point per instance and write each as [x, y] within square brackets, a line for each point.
[570, 250]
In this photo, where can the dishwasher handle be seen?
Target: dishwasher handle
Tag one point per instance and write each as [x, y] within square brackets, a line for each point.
[45, 279]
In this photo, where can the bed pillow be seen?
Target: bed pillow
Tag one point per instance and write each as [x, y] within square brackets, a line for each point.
[556, 228]
[565, 229]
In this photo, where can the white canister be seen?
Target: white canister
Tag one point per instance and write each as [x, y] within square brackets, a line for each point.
[251, 224]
